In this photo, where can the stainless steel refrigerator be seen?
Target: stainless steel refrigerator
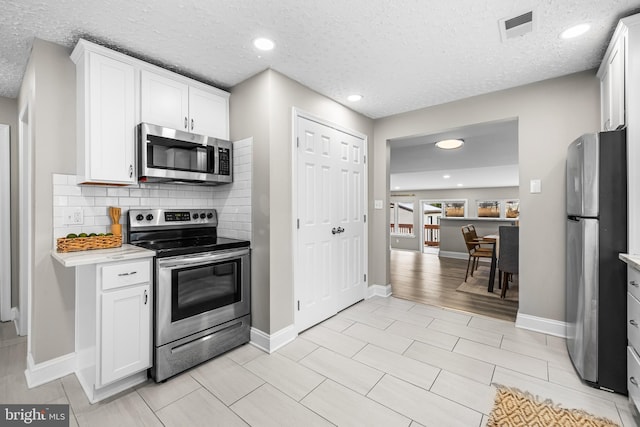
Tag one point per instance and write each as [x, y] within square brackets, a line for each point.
[595, 277]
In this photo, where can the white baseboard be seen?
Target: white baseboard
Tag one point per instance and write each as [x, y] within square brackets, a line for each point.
[273, 342]
[42, 373]
[541, 324]
[383, 291]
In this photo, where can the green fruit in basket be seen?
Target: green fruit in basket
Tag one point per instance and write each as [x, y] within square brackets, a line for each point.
[109, 234]
[82, 235]
[92, 235]
[71, 236]
[100, 234]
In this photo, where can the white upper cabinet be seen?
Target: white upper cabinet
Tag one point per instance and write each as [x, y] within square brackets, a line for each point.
[173, 101]
[106, 118]
[165, 102]
[612, 84]
[115, 92]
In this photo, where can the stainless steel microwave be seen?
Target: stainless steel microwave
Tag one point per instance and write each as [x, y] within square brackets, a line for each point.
[170, 155]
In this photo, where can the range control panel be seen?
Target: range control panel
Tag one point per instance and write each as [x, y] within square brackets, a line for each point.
[172, 217]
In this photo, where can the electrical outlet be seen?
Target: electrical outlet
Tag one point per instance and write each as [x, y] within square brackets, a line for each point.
[73, 216]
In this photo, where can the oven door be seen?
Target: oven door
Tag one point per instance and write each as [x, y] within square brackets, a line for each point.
[199, 291]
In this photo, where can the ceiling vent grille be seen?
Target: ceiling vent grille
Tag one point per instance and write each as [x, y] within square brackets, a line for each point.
[517, 26]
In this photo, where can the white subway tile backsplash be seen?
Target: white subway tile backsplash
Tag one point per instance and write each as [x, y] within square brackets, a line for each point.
[59, 179]
[81, 201]
[232, 201]
[118, 192]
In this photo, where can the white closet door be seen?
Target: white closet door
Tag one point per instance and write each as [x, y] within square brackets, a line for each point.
[329, 271]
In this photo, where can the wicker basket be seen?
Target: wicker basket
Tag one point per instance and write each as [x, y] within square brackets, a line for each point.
[87, 243]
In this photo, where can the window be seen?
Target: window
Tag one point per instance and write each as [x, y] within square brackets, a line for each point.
[454, 209]
[489, 209]
[401, 215]
[512, 208]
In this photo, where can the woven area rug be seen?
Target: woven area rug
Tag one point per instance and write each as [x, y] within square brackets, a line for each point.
[478, 285]
[515, 408]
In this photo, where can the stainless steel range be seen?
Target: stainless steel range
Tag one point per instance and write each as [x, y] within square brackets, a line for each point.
[201, 286]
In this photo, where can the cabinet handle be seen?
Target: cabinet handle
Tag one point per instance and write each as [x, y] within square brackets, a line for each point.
[127, 274]
[633, 381]
[191, 124]
[634, 283]
[186, 123]
[146, 297]
[130, 171]
[633, 323]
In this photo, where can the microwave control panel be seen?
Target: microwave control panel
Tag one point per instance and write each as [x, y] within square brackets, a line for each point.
[224, 161]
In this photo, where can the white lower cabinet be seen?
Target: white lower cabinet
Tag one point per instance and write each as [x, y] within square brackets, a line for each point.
[633, 335]
[113, 326]
[126, 342]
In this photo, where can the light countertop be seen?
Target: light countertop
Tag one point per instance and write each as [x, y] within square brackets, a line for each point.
[97, 256]
[632, 260]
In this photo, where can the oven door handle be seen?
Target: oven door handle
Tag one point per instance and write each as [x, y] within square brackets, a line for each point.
[188, 261]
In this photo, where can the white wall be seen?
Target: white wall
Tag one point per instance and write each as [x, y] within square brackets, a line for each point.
[262, 107]
[9, 116]
[550, 115]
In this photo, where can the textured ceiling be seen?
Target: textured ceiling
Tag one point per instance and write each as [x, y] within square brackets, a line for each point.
[400, 55]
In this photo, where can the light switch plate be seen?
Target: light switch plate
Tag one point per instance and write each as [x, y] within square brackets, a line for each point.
[535, 186]
[377, 204]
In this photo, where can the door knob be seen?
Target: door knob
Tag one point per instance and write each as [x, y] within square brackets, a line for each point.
[333, 230]
[340, 230]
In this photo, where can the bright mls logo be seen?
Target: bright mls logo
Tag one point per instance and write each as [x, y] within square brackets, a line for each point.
[34, 415]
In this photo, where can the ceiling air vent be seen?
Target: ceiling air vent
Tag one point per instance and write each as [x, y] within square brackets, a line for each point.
[517, 26]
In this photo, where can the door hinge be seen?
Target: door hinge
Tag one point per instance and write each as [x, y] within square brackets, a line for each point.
[297, 142]
[298, 221]
[298, 305]
[365, 159]
[365, 277]
[365, 218]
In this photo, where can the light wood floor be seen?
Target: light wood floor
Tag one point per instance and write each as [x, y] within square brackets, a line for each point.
[433, 280]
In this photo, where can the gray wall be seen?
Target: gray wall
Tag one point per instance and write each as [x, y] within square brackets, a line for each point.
[273, 180]
[9, 116]
[472, 195]
[49, 83]
[550, 115]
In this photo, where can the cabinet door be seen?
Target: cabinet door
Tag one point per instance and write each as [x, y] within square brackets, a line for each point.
[164, 102]
[209, 113]
[110, 139]
[617, 85]
[126, 333]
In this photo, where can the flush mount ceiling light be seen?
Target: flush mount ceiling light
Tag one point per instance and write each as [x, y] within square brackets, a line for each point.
[264, 43]
[575, 31]
[446, 176]
[450, 144]
[354, 98]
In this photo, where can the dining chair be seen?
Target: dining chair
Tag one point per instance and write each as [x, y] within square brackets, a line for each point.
[475, 249]
[508, 256]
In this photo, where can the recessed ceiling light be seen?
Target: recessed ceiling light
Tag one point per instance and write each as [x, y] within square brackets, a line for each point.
[446, 176]
[459, 185]
[354, 98]
[396, 188]
[575, 31]
[450, 144]
[264, 43]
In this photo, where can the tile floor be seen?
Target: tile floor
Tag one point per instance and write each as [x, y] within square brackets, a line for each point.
[382, 362]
